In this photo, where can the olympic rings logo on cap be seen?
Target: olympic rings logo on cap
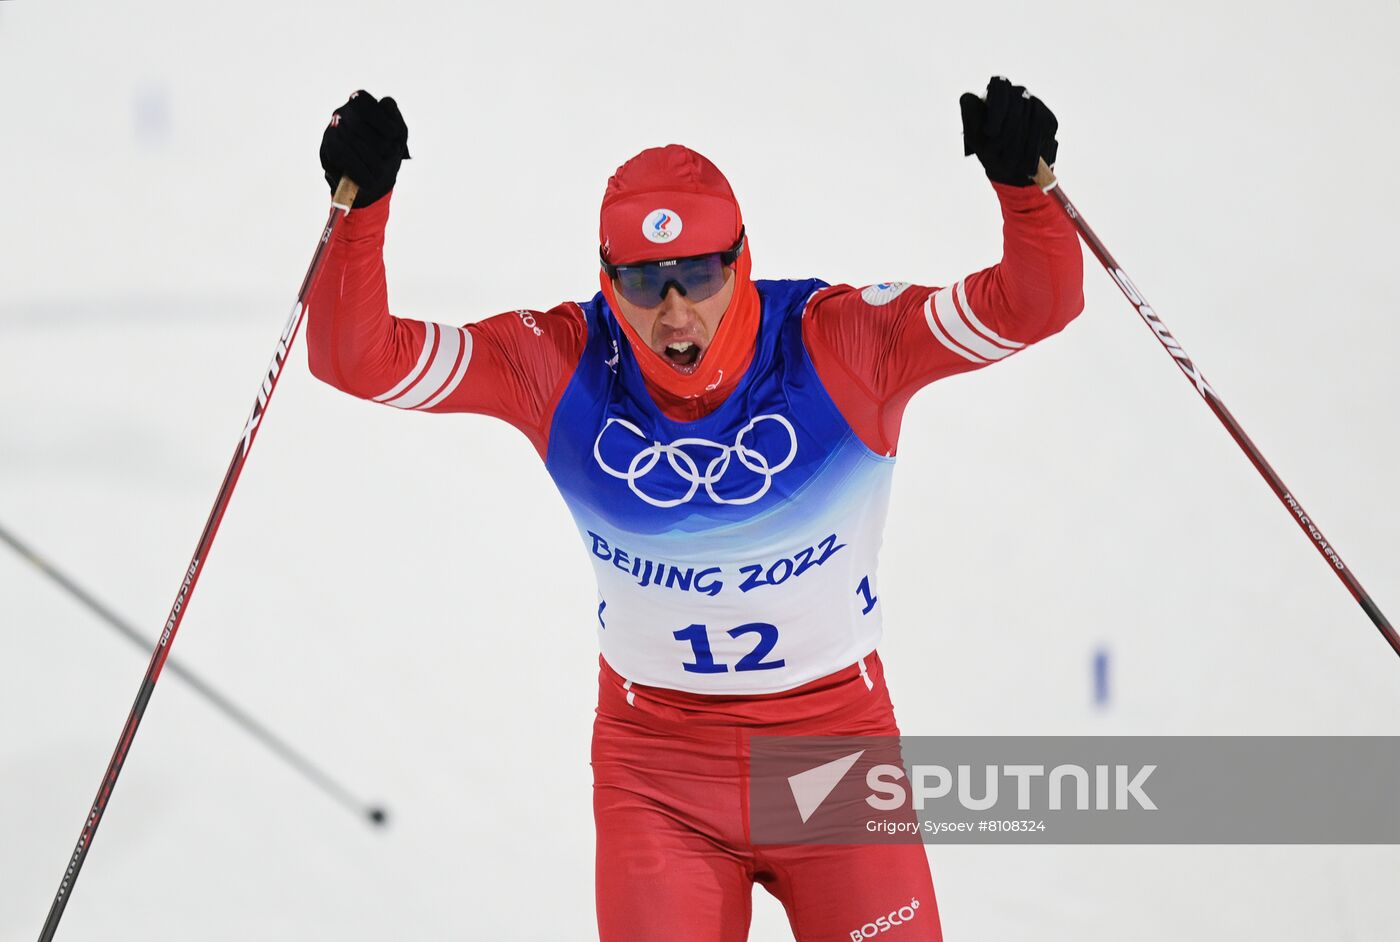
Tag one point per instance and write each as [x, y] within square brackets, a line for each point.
[661, 225]
[686, 466]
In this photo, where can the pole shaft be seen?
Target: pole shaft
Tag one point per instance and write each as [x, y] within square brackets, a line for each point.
[1045, 178]
[193, 571]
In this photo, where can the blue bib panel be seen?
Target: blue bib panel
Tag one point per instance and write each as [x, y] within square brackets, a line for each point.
[735, 553]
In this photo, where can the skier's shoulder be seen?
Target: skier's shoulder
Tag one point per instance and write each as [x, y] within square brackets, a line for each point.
[789, 295]
[562, 327]
[812, 294]
[879, 295]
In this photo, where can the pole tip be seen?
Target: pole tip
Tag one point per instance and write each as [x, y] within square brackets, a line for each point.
[378, 816]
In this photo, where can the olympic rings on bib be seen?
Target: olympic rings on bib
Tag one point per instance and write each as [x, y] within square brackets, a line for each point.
[688, 469]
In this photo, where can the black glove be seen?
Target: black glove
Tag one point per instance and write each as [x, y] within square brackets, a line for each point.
[366, 140]
[1009, 131]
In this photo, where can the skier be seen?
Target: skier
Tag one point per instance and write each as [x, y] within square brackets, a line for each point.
[725, 446]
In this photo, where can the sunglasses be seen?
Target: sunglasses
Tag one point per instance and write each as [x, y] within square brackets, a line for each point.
[698, 277]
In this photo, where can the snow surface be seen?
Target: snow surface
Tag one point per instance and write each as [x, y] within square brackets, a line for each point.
[403, 596]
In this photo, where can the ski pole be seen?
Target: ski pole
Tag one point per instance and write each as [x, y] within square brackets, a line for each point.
[341, 202]
[373, 813]
[1045, 179]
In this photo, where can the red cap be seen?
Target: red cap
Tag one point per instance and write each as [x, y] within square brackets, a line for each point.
[667, 202]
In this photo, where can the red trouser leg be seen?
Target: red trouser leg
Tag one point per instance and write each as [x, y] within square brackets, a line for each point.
[670, 859]
[661, 879]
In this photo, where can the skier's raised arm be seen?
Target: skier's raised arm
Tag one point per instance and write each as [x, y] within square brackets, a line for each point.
[512, 366]
[875, 347]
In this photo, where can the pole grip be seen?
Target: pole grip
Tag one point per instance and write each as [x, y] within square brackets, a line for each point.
[1045, 177]
[345, 193]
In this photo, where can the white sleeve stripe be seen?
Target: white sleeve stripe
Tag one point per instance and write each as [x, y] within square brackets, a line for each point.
[429, 342]
[462, 362]
[444, 362]
[977, 325]
[942, 337]
[948, 318]
[430, 391]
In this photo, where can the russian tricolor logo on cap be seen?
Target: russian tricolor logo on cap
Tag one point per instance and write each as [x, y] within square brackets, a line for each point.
[661, 225]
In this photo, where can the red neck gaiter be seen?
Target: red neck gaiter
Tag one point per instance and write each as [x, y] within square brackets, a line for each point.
[686, 398]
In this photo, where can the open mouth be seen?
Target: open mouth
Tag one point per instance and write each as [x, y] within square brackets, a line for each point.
[684, 355]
